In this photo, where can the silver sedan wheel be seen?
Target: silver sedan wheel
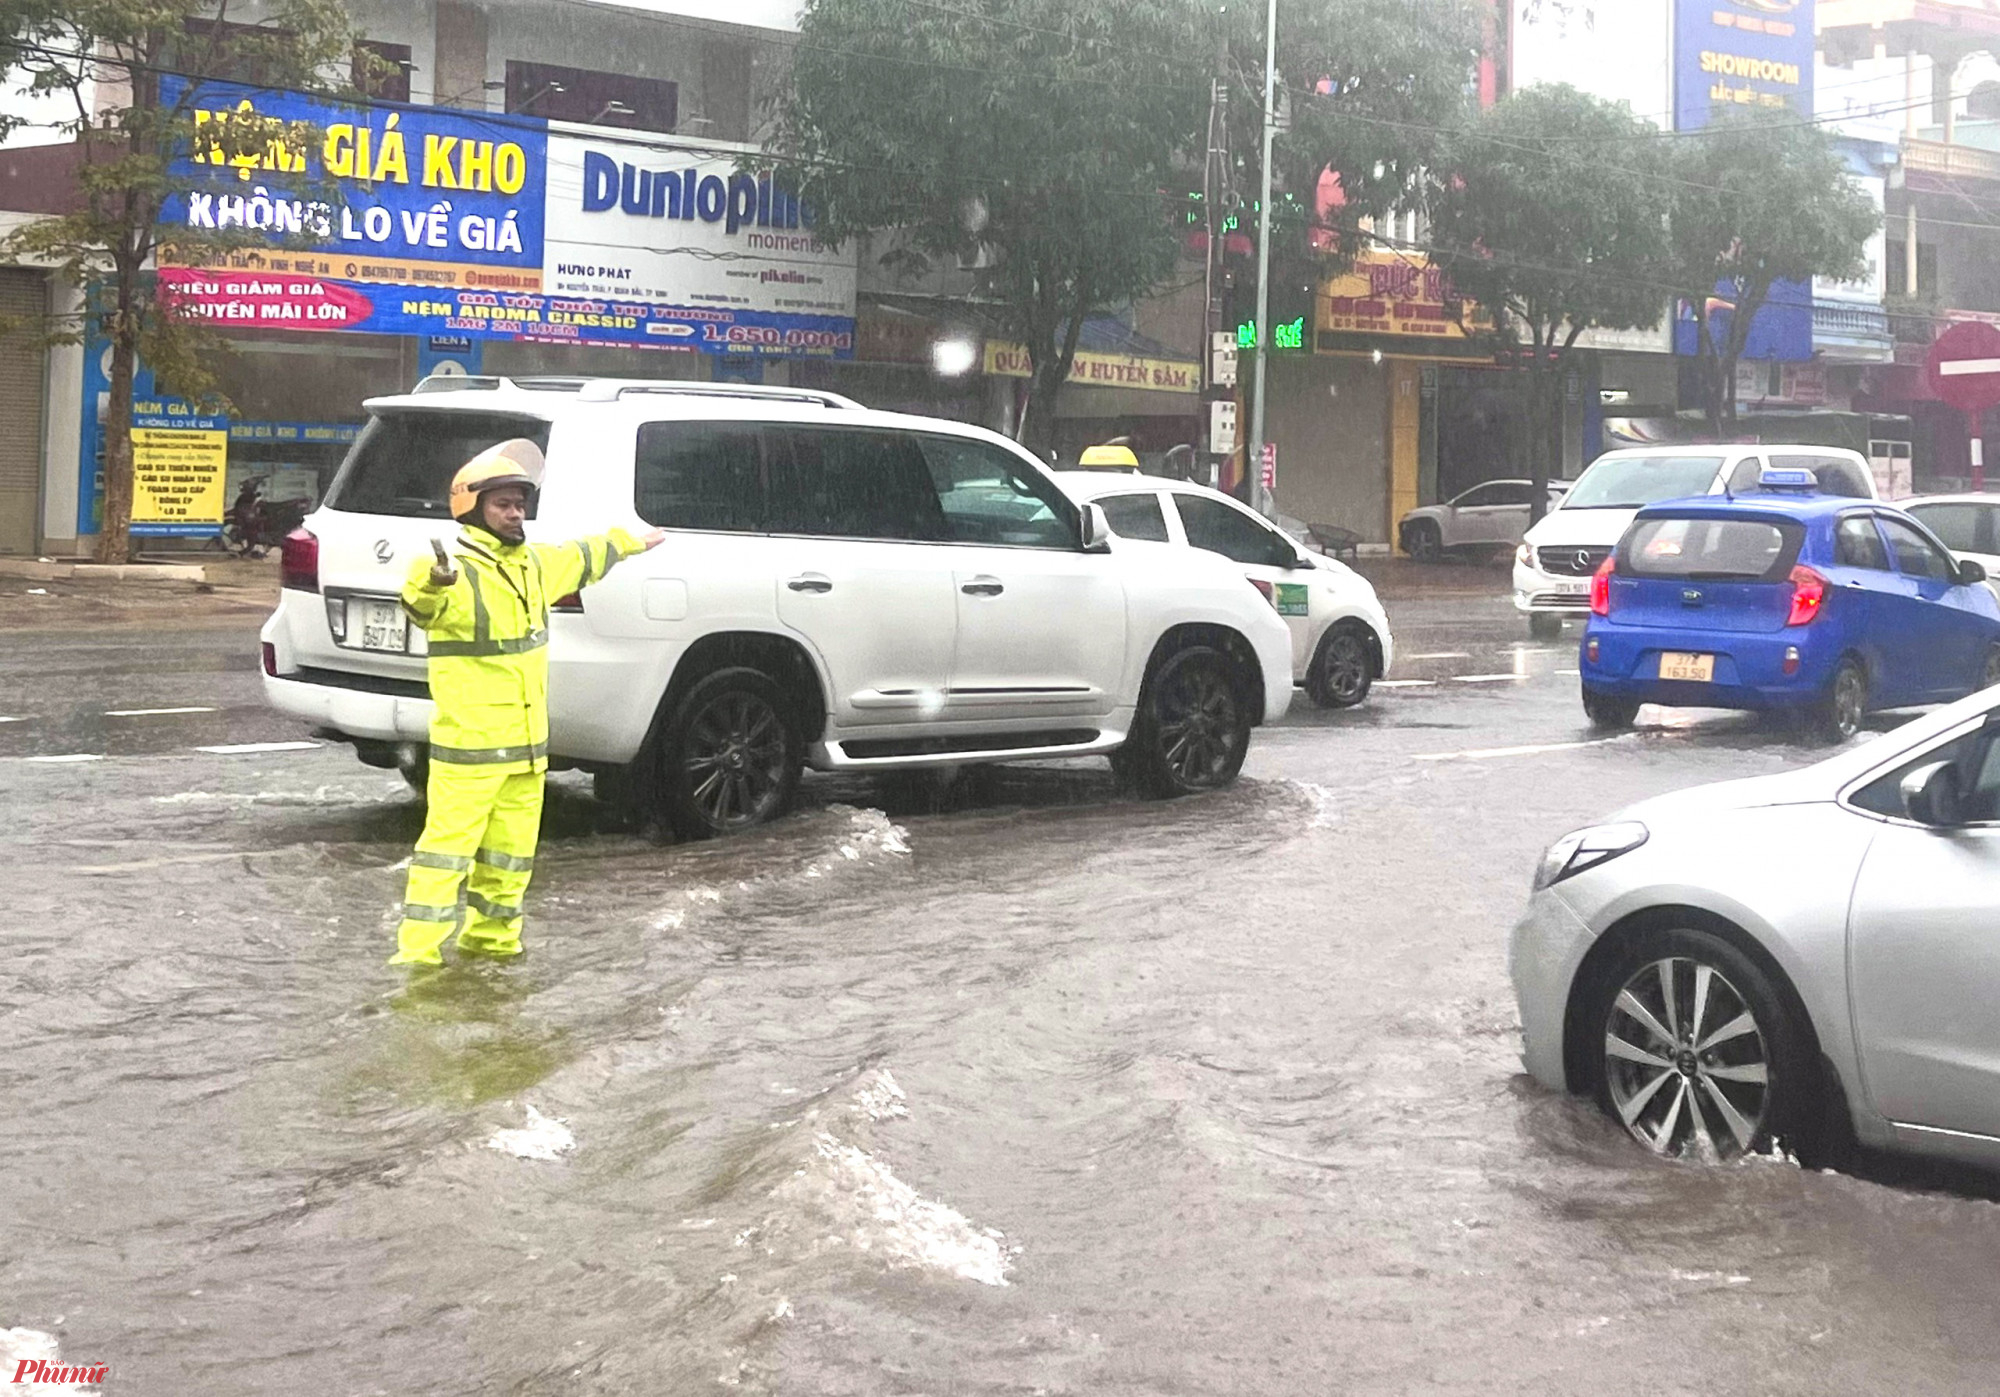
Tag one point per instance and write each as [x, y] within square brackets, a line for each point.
[1686, 1062]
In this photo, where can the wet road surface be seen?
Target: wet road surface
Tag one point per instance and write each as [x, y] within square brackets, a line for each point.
[1006, 1086]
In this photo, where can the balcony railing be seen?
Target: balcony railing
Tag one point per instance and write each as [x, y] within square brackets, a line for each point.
[1850, 320]
[1951, 161]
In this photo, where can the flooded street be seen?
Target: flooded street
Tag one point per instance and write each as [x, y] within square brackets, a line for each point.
[1008, 1086]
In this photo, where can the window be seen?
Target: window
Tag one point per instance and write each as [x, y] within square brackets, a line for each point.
[1837, 475]
[1632, 482]
[1710, 549]
[1478, 497]
[990, 496]
[222, 51]
[854, 483]
[1135, 516]
[403, 462]
[1917, 556]
[699, 475]
[1976, 759]
[1963, 528]
[1858, 544]
[1515, 493]
[599, 99]
[382, 71]
[1219, 528]
[1747, 476]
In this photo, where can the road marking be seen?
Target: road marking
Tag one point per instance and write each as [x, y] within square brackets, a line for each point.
[13, 720]
[1481, 754]
[1485, 678]
[246, 748]
[1441, 655]
[71, 757]
[1406, 683]
[153, 712]
[1956, 368]
[1569, 674]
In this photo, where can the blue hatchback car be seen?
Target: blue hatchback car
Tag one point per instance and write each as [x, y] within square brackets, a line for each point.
[1786, 600]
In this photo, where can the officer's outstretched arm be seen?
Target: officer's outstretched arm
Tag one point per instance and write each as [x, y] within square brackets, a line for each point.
[570, 567]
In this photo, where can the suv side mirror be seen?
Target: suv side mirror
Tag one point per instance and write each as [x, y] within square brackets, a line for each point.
[1096, 530]
[1931, 795]
[1970, 572]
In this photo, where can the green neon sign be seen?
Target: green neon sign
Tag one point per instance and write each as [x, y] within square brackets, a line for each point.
[1291, 336]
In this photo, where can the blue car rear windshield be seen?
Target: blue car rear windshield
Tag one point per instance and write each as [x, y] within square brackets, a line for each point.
[1716, 550]
[1632, 482]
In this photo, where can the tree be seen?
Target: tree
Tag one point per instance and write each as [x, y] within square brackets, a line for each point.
[1367, 89]
[1759, 198]
[135, 71]
[1036, 139]
[1546, 218]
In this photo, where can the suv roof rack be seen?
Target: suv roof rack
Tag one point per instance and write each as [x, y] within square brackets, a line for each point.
[490, 383]
[610, 390]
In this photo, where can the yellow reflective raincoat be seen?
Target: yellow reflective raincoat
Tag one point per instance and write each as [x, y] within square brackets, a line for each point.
[489, 679]
[489, 635]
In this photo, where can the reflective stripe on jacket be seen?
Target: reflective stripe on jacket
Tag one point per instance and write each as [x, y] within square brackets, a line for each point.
[489, 635]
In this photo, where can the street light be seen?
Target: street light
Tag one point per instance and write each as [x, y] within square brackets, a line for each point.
[612, 108]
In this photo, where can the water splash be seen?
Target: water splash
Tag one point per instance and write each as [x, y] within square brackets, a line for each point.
[544, 1137]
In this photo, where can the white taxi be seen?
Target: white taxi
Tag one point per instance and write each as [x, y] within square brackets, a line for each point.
[1341, 643]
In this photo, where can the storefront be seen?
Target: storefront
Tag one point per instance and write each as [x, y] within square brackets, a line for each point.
[464, 242]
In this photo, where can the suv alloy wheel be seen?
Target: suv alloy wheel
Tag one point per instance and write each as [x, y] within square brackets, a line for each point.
[731, 756]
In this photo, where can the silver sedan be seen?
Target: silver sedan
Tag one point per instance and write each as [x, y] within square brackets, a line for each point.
[1810, 959]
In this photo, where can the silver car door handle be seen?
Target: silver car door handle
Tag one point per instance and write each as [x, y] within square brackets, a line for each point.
[984, 587]
[811, 582]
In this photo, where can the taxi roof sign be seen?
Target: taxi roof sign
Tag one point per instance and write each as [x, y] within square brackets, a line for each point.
[1108, 458]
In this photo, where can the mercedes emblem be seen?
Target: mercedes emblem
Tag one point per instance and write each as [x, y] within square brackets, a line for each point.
[1583, 564]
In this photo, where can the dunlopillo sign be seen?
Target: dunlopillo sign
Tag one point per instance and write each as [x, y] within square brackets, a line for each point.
[686, 228]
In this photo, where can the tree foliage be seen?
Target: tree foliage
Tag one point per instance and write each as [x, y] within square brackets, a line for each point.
[1759, 198]
[134, 72]
[1036, 137]
[1547, 219]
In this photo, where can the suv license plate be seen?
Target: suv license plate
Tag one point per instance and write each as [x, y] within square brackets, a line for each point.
[1676, 664]
[381, 625]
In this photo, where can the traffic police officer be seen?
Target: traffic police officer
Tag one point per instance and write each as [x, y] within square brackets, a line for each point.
[485, 606]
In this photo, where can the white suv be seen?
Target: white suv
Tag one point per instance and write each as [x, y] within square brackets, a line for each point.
[840, 588]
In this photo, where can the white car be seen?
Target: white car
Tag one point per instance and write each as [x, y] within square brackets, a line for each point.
[1487, 517]
[1555, 562]
[840, 588]
[1806, 958]
[1969, 525]
[1341, 642]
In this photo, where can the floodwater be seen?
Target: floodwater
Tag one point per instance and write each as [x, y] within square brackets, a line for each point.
[1015, 1087]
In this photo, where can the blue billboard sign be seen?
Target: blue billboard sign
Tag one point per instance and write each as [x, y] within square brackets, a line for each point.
[430, 196]
[1735, 54]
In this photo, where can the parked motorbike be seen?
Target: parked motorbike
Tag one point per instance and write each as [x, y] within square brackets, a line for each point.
[254, 525]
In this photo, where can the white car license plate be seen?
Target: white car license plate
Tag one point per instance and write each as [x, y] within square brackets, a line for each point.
[1568, 588]
[1678, 664]
[378, 625]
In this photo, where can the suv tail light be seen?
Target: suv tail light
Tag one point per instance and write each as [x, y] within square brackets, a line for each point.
[572, 602]
[1600, 588]
[1808, 595]
[300, 567]
[1269, 592]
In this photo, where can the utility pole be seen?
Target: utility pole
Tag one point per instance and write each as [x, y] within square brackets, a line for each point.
[1254, 458]
[1218, 356]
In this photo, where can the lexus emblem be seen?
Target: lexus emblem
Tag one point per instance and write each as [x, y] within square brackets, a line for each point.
[1583, 563]
[384, 550]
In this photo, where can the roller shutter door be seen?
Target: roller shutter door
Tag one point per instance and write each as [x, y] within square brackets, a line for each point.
[23, 295]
